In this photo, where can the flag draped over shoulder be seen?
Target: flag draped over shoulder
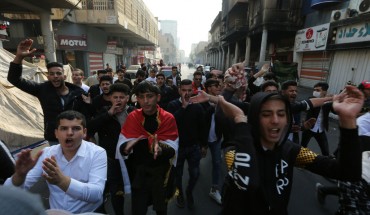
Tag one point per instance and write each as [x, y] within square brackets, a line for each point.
[167, 128]
[133, 129]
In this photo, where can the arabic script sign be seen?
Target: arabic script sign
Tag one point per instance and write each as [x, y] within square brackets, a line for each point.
[353, 33]
[312, 39]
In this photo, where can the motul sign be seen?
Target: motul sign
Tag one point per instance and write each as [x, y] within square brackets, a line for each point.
[72, 42]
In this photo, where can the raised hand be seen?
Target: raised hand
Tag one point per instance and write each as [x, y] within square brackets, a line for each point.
[201, 97]
[115, 108]
[53, 174]
[23, 165]
[131, 144]
[308, 124]
[24, 49]
[86, 99]
[347, 105]
[25, 162]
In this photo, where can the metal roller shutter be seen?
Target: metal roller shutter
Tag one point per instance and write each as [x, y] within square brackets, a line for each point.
[315, 68]
[95, 61]
[349, 65]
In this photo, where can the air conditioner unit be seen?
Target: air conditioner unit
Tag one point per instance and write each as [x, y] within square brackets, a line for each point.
[362, 6]
[337, 15]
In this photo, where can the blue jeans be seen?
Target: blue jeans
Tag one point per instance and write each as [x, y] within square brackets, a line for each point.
[193, 155]
[215, 148]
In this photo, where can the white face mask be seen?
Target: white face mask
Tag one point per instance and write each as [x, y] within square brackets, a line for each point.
[316, 94]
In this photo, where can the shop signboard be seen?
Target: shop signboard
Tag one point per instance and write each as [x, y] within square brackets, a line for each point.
[359, 32]
[312, 39]
[68, 42]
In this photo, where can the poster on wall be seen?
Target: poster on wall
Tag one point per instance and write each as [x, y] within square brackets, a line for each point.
[312, 39]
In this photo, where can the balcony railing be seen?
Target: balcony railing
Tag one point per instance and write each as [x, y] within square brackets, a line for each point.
[97, 5]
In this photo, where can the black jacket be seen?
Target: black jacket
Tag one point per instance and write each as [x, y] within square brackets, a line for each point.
[326, 109]
[226, 125]
[167, 94]
[94, 91]
[190, 123]
[49, 99]
[108, 128]
[260, 180]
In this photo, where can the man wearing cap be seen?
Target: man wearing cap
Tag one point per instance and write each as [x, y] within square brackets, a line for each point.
[55, 95]
[365, 88]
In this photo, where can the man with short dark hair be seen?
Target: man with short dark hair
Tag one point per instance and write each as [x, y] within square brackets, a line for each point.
[55, 95]
[167, 93]
[152, 76]
[103, 100]
[289, 90]
[149, 137]
[192, 139]
[108, 123]
[95, 89]
[110, 72]
[321, 114]
[197, 82]
[176, 79]
[214, 137]
[75, 170]
[122, 78]
[270, 87]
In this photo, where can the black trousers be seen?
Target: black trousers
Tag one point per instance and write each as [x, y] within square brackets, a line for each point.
[321, 139]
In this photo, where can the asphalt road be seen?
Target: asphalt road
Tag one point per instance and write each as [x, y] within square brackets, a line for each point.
[303, 197]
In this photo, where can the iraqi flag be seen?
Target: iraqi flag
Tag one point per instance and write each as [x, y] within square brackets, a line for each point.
[133, 129]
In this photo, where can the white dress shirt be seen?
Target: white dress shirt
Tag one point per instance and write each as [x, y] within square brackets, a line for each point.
[318, 128]
[85, 87]
[88, 173]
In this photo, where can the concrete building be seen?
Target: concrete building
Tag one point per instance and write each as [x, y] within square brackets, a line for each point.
[88, 34]
[334, 45]
[168, 48]
[255, 31]
[170, 27]
[215, 52]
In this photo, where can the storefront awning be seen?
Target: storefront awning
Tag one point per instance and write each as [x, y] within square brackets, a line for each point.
[18, 6]
[319, 4]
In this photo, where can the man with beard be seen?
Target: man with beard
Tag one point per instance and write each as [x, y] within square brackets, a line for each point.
[289, 90]
[107, 123]
[55, 95]
[192, 140]
[103, 100]
[75, 170]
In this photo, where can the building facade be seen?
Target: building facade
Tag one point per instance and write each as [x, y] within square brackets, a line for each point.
[92, 35]
[339, 49]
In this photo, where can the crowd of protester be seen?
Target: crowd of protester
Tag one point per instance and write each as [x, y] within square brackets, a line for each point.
[113, 136]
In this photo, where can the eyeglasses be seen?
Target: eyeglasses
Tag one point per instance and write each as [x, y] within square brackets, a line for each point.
[214, 85]
[197, 79]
